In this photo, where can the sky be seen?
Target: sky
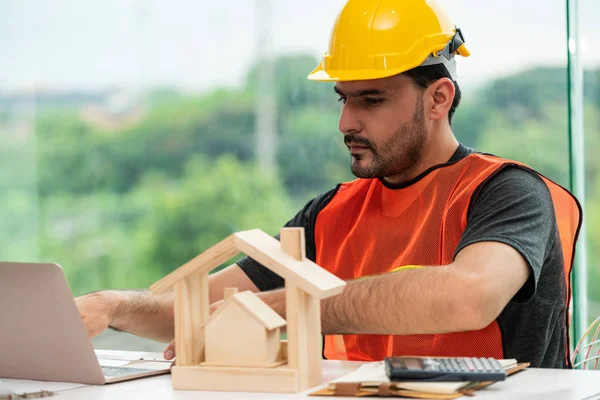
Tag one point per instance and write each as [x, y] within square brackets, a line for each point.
[200, 44]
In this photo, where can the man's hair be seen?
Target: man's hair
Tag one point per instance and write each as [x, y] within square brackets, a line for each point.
[426, 75]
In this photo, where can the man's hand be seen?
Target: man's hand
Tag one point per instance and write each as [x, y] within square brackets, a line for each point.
[134, 311]
[141, 313]
[97, 311]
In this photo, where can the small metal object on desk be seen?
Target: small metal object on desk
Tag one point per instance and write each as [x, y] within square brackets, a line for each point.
[32, 395]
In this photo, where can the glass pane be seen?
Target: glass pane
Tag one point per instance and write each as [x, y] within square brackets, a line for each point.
[138, 133]
[590, 58]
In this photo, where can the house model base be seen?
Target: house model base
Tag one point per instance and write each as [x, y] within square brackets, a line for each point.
[278, 380]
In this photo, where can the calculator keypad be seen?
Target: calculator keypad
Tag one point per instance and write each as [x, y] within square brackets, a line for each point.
[468, 365]
[444, 369]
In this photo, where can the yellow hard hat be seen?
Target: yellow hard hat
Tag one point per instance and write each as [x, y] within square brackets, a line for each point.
[374, 39]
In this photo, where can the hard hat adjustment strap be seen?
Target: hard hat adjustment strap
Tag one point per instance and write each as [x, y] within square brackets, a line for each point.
[457, 41]
[453, 45]
[448, 60]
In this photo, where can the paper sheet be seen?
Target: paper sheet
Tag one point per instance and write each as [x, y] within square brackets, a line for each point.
[151, 365]
[128, 355]
[112, 363]
[4, 392]
[375, 372]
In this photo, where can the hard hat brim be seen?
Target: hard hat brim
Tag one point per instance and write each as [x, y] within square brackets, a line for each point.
[320, 75]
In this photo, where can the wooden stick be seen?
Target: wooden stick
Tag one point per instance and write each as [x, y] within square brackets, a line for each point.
[191, 309]
[205, 262]
[305, 274]
[297, 333]
[293, 242]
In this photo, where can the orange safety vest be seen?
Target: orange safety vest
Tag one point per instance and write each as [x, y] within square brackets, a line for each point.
[367, 229]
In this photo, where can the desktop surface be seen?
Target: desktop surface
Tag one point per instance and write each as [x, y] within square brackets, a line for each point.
[534, 383]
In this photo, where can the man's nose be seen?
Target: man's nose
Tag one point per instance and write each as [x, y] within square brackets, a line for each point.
[349, 121]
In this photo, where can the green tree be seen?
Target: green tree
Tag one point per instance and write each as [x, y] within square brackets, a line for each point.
[312, 155]
[215, 199]
[19, 200]
[107, 240]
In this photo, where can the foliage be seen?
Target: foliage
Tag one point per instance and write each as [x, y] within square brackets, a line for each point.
[108, 240]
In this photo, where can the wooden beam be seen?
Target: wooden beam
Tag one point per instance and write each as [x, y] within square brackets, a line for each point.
[297, 331]
[304, 274]
[205, 262]
[182, 345]
[314, 346]
[191, 309]
[203, 303]
[293, 242]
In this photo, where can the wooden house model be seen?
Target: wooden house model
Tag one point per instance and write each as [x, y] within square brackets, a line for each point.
[259, 342]
[238, 348]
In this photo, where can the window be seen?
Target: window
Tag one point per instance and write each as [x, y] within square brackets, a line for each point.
[587, 65]
[137, 134]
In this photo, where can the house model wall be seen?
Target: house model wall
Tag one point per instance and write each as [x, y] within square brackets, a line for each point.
[299, 364]
[258, 345]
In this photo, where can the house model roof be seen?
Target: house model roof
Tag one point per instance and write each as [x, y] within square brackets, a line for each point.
[255, 307]
[305, 274]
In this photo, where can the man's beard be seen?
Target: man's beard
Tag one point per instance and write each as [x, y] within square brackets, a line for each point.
[401, 153]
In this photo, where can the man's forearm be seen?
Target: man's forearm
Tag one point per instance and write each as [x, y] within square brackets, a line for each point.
[408, 302]
[143, 314]
[152, 316]
[424, 301]
[463, 296]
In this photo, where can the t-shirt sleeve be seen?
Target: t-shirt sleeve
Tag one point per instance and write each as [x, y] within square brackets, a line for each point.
[514, 207]
[264, 278]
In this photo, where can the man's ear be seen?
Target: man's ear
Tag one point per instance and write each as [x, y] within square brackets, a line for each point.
[441, 94]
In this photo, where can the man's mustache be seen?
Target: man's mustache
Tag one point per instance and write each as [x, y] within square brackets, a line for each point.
[357, 140]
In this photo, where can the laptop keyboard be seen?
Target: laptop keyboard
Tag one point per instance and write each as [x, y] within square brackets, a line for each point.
[114, 372]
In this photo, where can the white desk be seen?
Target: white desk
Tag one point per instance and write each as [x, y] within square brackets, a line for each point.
[534, 384]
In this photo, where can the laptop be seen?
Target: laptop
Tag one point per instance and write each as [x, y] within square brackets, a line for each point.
[43, 338]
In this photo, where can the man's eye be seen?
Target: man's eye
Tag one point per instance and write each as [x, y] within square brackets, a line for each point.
[373, 101]
[342, 100]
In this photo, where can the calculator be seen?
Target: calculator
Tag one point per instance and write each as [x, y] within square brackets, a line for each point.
[442, 369]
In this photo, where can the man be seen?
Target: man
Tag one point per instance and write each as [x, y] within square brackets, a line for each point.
[446, 251]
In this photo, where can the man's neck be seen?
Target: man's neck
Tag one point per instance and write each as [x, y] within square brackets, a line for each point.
[438, 150]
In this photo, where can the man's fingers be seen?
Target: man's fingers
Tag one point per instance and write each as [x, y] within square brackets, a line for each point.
[93, 330]
[93, 327]
[170, 351]
[169, 354]
[94, 313]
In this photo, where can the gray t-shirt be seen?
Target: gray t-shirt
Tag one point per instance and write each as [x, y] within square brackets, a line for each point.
[514, 207]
